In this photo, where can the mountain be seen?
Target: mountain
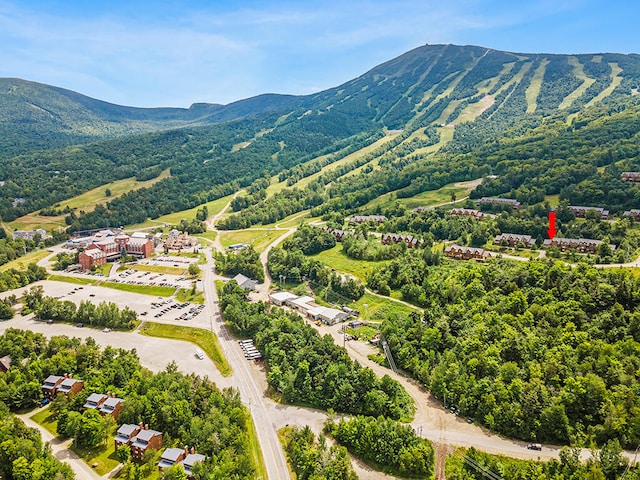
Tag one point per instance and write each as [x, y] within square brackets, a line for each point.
[443, 98]
[37, 116]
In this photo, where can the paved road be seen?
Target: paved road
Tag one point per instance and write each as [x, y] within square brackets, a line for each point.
[274, 458]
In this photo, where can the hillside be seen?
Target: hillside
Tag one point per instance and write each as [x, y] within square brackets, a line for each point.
[434, 98]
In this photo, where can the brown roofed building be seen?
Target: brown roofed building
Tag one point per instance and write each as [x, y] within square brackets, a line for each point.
[581, 212]
[630, 176]
[468, 212]
[499, 201]
[466, 253]
[339, 234]
[410, 240]
[582, 245]
[513, 239]
[634, 213]
[367, 218]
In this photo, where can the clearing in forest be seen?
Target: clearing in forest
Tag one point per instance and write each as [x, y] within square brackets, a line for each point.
[533, 90]
[578, 71]
[86, 202]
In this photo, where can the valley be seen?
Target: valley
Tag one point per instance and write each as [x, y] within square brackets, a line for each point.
[373, 197]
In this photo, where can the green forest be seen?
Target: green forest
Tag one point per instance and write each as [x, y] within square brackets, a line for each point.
[188, 409]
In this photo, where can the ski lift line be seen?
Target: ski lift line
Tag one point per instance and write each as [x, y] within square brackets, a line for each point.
[481, 468]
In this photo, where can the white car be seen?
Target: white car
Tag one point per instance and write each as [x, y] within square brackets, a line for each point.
[199, 354]
[106, 330]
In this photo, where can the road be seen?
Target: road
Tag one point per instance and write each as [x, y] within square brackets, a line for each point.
[274, 458]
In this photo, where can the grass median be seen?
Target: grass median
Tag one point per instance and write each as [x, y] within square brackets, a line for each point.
[205, 339]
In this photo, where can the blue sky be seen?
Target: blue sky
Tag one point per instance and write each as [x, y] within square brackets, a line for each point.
[173, 53]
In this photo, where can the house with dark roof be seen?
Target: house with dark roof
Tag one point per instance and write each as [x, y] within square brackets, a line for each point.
[145, 440]
[466, 253]
[499, 201]
[580, 211]
[513, 239]
[125, 434]
[94, 401]
[634, 213]
[630, 176]
[581, 245]
[367, 218]
[50, 386]
[172, 456]
[410, 240]
[5, 363]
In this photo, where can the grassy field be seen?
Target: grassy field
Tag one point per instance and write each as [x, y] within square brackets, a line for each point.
[534, 87]
[205, 339]
[104, 455]
[338, 260]
[86, 201]
[553, 200]
[209, 235]
[615, 81]
[154, 290]
[45, 418]
[22, 262]
[158, 269]
[214, 207]
[425, 199]
[258, 239]
[184, 295]
[74, 280]
[578, 71]
[372, 307]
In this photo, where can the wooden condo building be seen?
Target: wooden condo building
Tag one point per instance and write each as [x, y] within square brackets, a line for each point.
[499, 201]
[514, 239]
[466, 253]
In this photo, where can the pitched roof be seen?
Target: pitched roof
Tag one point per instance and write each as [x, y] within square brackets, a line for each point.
[6, 362]
[127, 429]
[172, 454]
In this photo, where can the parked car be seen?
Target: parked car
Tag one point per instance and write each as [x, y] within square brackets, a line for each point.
[79, 325]
[534, 446]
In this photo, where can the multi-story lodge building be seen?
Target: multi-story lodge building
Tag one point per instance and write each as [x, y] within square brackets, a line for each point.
[513, 239]
[337, 233]
[630, 176]
[112, 248]
[634, 213]
[466, 253]
[500, 201]
[367, 218]
[582, 245]
[410, 240]
[468, 212]
[580, 212]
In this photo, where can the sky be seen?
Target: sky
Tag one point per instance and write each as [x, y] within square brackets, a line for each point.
[148, 53]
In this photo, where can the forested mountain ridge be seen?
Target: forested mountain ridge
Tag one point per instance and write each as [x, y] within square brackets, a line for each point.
[436, 97]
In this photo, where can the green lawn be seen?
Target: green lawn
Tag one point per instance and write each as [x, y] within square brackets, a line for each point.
[338, 260]
[158, 269]
[184, 295]
[205, 339]
[86, 201]
[214, 207]
[104, 455]
[74, 280]
[45, 418]
[372, 307]
[24, 261]
[154, 290]
[258, 239]
[425, 199]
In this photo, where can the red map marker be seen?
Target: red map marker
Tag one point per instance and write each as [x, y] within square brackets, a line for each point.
[552, 225]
